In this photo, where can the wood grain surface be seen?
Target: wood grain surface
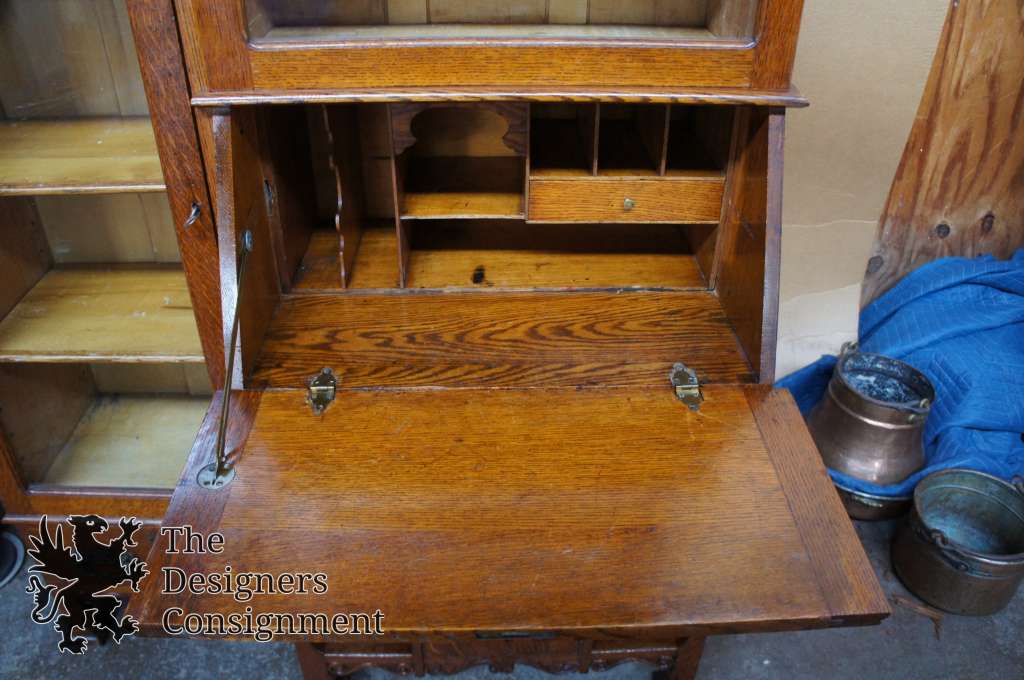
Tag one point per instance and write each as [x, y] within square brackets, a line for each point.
[847, 579]
[685, 200]
[639, 94]
[959, 189]
[499, 339]
[220, 58]
[155, 30]
[491, 256]
[615, 512]
[92, 155]
[126, 314]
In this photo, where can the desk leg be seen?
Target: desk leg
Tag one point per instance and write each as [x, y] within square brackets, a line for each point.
[312, 662]
[687, 661]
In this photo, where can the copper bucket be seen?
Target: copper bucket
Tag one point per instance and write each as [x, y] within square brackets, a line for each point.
[869, 426]
[961, 549]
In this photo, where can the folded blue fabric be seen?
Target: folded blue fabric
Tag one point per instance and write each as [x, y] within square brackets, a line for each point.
[961, 322]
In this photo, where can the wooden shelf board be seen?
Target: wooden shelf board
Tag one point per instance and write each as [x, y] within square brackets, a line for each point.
[292, 35]
[486, 339]
[80, 156]
[130, 441]
[104, 315]
[463, 206]
[469, 256]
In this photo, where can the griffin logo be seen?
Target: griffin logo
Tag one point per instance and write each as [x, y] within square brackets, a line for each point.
[86, 569]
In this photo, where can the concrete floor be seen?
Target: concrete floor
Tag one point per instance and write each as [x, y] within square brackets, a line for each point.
[904, 647]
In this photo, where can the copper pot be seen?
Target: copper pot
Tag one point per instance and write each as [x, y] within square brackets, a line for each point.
[869, 426]
[961, 549]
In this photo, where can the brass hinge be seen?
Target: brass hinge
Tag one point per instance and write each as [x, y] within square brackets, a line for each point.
[687, 386]
[322, 389]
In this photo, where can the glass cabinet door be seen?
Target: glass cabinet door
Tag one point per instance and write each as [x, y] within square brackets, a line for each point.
[670, 20]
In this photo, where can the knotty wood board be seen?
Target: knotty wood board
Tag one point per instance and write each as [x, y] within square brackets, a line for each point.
[526, 510]
[499, 339]
[129, 441]
[959, 188]
[92, 155]
[126, 314]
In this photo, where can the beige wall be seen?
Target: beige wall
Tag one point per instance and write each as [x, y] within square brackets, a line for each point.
[863, 65]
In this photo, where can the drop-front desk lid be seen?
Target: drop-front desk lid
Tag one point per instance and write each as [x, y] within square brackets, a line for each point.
[568, 510]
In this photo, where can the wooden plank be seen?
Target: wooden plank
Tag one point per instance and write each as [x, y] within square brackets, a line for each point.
[241, 207]
[128, 314]
[959, 189]
[499, 340]
[694, 199]
[155, 30]
[778, 27]
[470, 256]
[129, 441]
[463, 206]
[843, 571]
[747, 238]
[93, 155]
[486, 65]
[640, 94]
[587, 493]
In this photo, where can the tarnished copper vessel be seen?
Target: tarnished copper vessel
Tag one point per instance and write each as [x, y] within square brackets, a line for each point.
[869, 425]
[961, 549]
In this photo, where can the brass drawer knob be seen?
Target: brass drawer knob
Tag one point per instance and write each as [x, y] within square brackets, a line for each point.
[628, 204]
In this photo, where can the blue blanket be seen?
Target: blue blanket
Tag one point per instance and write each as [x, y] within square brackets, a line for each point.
[960, 322]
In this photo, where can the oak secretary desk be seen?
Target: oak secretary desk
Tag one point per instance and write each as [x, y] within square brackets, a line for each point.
[504, 281]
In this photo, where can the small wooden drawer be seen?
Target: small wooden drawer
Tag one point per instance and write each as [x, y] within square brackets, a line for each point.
[693, 199]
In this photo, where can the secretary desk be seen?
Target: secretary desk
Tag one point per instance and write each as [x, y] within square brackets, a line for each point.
[488, 294]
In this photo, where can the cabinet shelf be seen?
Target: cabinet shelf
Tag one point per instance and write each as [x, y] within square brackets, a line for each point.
[463, 206]
[114, 314]
[129, 441]
[82, 156]
[343, 34]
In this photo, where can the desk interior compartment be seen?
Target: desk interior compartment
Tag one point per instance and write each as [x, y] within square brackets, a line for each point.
[463, 301]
